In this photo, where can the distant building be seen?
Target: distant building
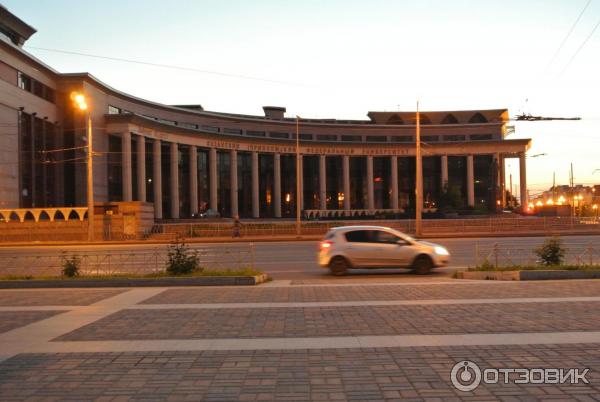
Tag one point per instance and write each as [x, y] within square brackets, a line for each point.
[185, 159]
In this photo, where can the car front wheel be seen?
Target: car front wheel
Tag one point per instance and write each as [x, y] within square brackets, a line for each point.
[338, 266]
[422, 265]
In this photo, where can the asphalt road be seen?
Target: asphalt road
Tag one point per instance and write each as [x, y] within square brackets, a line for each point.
[297, 260]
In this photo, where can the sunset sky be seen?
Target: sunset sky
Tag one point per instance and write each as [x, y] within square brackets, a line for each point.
[344, 58]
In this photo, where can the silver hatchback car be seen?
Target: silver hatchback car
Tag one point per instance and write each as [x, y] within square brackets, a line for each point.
[349, 247]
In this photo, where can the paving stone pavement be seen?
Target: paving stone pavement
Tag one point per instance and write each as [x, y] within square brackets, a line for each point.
[341, 321]
[424, 291]
[55, 297]
[375, 374]
[10, 320]
[153, 344]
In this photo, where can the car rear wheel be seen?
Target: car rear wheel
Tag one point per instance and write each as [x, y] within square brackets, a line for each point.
[338, 266]
[422, 265]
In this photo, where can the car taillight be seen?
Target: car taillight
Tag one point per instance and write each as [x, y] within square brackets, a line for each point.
[325, 245]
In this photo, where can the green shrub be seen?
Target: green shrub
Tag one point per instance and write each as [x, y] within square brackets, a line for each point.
[551, 252]
[181, 261]
[71, 267]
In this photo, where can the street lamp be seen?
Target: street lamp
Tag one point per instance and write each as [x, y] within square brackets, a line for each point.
[81, 104]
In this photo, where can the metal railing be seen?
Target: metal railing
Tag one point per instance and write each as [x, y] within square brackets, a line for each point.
[430, 226]
[111, 262]
[510, 254]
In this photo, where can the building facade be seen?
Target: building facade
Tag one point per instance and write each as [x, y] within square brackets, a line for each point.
[186, 160]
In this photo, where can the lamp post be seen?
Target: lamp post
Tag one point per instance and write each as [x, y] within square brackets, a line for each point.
[80, 102]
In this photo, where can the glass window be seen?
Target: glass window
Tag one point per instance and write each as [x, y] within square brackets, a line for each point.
[357, 236]
[278, 135]
[376, 138]
[253, 133]
[232, 131]
[402, 138]
[386, 237]
[352, 138]
[113, 110]
[480, 137]
[327, 137]
[210, 129]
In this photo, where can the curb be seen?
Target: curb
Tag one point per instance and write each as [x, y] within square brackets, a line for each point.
[529, 275]
[136, 282]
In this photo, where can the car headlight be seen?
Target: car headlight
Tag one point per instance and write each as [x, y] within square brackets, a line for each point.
[439, 250]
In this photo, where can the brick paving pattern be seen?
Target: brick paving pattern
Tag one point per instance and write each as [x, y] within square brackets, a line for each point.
[372, 293]
[326, 375]
[10, 320]
[58, 297]
[341, 321]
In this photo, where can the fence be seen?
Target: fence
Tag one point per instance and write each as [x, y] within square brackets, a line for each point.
[503, 255]
[430, 226]
[112, 262]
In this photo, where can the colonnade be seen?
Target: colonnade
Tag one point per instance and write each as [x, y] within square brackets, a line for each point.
[276, 196]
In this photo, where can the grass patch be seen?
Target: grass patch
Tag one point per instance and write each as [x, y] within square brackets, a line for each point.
[82, 276]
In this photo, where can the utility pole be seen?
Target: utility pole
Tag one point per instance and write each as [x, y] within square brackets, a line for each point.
[90, 179]
[418, 180]
[298, 175]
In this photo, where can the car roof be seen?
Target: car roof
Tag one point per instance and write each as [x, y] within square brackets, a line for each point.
[359, 227]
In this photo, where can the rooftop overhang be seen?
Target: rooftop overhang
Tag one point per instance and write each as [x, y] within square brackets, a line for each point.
[116, 124]
[16, 28]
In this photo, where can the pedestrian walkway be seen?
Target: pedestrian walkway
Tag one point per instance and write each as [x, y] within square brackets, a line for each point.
[374, 341]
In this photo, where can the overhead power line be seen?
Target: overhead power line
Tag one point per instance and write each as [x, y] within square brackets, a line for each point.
[147, 63]
[568, 34]
[580, 47]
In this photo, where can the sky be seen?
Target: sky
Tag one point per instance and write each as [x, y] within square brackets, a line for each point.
[344, 58]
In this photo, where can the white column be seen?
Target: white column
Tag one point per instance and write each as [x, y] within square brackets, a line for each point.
[126, 166]
[346, 174]
[212, 172]
[193, 180]
[233, 182]
[394, 178]
[255, 187]
[470, 182]
[157, 178]
[502, 181]
[141, 168]
[523, 180]
[370, 191]
[444, 172]
[277, 185]
[322, 183]
[174, 178]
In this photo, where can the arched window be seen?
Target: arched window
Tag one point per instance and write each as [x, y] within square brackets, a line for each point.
[449, 119]
[478, 118]
[395, 119]
[424, 119]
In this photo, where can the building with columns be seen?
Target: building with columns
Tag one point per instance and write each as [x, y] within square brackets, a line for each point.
[185, 159]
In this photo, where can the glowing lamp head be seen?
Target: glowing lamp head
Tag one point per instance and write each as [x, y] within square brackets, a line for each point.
[79, 100]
